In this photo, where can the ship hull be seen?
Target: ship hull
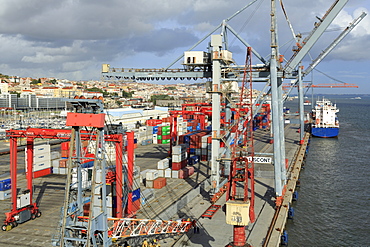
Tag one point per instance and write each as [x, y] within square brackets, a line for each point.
[325, 132]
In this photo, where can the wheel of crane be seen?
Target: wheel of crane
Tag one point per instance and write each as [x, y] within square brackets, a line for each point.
[33, 216]
[4, 227]
[14, 224]
[38, 214]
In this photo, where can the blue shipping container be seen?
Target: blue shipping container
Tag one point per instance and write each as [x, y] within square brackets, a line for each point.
[193, 160]
[5, 184]
[136, 195]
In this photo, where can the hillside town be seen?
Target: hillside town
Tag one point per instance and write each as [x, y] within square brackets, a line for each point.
[14, 89]
[50, 93]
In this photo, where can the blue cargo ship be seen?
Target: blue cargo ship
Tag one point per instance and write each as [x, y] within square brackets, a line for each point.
[324, 119]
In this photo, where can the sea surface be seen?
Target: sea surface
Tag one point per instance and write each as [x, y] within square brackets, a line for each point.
[333, 207]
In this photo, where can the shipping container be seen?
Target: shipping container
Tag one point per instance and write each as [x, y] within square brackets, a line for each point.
[149, 183]
[163, 164]
[136, 194]
[167, 173]
[5, 184]
[41, 173]
[183, 173]
[159, 183]
[151, 174]
[175, 174]
[5, 194]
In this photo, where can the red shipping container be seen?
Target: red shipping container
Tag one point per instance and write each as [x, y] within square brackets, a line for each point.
[176, 166]
[42, 173]
[190, 169]
[184, 163]
[209, 139]
[136, 205]
[159, 141]
[183, 173]
[159, 183]
[203, 157]
[64, 146]
[63, 163]
[167, 137]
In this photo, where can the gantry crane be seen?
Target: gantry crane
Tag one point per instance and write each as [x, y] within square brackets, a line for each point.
[219, 68]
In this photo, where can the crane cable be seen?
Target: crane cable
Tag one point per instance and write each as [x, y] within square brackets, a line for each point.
[288, 21]
[330, 76]
[247, 21]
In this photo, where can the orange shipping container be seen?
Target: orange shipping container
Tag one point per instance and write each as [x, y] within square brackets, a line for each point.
[64, 153]
[63, 163]
[159, 183]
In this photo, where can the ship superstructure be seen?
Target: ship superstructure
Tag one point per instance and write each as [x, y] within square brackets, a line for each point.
[325, 121]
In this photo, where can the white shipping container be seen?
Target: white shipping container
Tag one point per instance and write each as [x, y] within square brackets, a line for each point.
[41, 149]
[62, 170]
[178, 157]
[56, 170]
[55, 155]
[151, 174]
[178, 149]
[155, 141]
[149, 183]
[161, 173]
[23, 200]
[168, 173]
[163, 164]
[41, 166]
[175, 174]
[6, 194]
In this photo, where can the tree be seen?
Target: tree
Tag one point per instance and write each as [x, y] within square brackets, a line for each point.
[154, 98]
[34, 82]
[127, 94]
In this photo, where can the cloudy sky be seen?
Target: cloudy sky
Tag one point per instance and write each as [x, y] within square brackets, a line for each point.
[71, 39]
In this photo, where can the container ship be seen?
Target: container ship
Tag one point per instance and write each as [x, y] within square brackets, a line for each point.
[325, 122]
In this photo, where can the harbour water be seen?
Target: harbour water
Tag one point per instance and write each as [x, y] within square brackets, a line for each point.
[333, 207]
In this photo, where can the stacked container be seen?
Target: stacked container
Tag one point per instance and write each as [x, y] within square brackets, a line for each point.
[205, 147]
[162, 165]
[179, 156]
[166, 133]
[150, 176]
[5, 189]
[41, 161]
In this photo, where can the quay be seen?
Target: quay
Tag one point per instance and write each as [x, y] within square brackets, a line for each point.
[179, 199]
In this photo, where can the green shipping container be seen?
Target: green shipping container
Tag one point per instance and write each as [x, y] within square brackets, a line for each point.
[159, 137]
[165, 141]
[166, 133]
[166, 128]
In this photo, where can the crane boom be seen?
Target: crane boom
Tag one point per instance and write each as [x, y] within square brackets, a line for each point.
[128, 227]
[319, 29]
[325, 52]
